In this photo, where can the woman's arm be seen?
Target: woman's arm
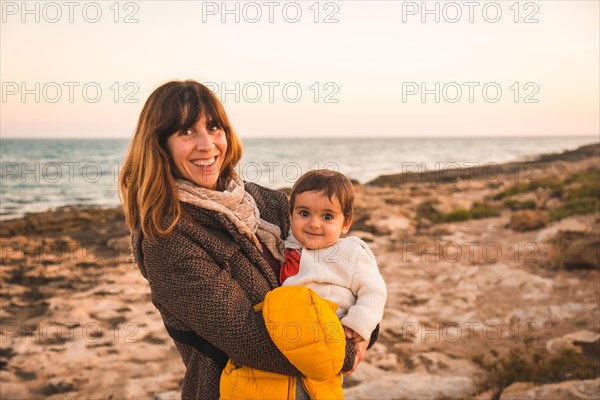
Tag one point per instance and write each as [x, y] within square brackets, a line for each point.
[189, 286]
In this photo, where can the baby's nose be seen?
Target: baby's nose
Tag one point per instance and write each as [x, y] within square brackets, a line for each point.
[315, 222]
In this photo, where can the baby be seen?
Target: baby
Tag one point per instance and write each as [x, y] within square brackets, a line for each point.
[340, 270]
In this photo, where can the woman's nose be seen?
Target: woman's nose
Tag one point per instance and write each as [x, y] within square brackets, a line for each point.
[204, 142]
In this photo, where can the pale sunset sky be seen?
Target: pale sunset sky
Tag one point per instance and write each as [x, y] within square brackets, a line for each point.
[306, 68]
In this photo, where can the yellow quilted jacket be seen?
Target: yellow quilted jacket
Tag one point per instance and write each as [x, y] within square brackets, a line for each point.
[307, 331]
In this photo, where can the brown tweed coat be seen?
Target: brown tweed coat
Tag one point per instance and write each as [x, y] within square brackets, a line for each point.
[206, 277]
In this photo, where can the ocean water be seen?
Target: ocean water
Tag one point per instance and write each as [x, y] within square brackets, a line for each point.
[42, 174]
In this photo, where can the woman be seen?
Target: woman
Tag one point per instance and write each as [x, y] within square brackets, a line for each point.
[208, 243]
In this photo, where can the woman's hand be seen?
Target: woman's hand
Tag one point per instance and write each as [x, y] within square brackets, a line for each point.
[352, 335]
[360, 345]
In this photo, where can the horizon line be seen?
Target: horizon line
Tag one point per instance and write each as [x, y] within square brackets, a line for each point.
[594, 135]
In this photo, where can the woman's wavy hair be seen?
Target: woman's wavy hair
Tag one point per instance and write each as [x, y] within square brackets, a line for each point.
[147, 179]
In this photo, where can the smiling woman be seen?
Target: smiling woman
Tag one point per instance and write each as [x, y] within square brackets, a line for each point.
[198, 152]
[181, 127]
[209, 244]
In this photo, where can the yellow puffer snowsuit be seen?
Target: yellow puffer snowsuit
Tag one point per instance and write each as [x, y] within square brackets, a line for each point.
[307, 331]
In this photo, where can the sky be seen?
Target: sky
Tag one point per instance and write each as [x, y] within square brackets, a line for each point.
[306, 68]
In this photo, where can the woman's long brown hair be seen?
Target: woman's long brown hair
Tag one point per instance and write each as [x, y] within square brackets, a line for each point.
[147, 179]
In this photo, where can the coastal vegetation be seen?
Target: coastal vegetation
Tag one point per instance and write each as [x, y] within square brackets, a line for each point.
[576, 194]
[579, 194]
[528, 364]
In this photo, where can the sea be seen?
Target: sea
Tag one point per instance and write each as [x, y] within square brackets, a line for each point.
[45, 174]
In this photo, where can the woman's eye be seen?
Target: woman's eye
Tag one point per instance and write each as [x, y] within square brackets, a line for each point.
[213, 127]
[186, 132]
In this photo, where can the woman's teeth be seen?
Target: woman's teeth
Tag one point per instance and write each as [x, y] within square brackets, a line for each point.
[204, 163]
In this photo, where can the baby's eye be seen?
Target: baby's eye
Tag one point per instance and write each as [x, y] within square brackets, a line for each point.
[327, 217]
[303, 213]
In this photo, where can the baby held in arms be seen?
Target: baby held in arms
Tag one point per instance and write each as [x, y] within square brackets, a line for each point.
[331, 292]
[342, 270]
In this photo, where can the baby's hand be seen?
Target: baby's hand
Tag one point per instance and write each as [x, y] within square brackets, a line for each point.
[353, 336]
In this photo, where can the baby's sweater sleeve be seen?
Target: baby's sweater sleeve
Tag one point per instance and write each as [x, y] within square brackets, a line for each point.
[369, 288]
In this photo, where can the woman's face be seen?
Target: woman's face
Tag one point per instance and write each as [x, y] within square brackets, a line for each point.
[198, 152]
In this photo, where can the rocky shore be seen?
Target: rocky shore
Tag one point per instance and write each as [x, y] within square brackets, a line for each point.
[492, 272]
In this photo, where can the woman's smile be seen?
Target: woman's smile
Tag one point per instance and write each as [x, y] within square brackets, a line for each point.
[204, 162]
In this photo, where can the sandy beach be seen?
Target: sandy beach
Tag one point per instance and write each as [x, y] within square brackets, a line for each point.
[492, 273]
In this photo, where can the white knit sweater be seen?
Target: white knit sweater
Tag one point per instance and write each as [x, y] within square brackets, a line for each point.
[347, 274]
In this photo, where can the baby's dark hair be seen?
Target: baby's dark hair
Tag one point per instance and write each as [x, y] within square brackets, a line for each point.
[332, 183]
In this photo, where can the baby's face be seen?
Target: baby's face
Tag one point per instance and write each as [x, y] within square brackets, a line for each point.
[317, 222]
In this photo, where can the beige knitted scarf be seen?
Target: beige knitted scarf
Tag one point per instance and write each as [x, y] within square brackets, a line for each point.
[239, 207]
